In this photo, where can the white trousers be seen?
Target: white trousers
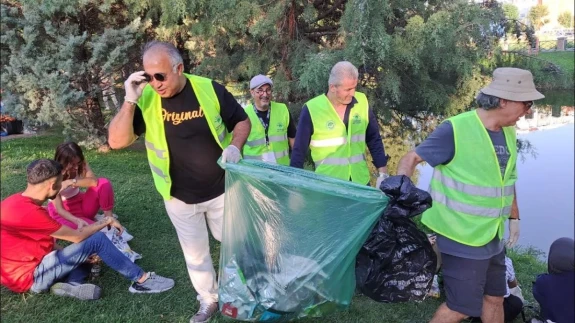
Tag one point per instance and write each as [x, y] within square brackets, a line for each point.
[190, 223]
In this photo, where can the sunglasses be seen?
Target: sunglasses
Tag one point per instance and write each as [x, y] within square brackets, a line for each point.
[160, 77]
[527, 104]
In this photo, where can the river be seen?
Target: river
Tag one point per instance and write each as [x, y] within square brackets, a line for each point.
[545, 187]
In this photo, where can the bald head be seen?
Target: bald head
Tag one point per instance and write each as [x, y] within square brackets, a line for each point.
[157, 50]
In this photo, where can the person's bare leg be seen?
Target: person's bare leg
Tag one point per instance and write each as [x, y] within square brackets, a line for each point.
[445, 315]
[492, 309]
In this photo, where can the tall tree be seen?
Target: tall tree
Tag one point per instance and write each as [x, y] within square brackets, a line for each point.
[538, 16]
[565, 19]
[59, 56]
[417, 59]
[414, 57]
[511, 11]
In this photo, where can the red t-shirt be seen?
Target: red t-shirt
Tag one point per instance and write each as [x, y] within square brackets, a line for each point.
[25, 230]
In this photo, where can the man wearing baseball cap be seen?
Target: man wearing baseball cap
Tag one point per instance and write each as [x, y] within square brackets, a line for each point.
[473, 189]
[273, 130]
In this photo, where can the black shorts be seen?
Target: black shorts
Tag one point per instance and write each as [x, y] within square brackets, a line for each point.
[466, 281]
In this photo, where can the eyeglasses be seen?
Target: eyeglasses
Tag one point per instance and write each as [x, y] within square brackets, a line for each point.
[160, 77]
[262, 91]
[527, 104]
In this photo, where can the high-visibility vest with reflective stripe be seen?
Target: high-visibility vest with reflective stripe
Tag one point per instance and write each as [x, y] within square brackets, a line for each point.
[471, 199]
[256, 146]
[155, 138]
[336, 152]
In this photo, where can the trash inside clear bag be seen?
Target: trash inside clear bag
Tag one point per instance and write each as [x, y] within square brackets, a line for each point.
[290, 240]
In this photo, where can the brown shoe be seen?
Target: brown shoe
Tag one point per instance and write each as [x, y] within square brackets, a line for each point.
[206, 311]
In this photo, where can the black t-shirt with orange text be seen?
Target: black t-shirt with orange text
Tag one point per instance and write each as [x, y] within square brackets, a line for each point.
[196, 176]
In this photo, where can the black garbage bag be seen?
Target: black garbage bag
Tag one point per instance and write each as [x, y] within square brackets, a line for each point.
[406, 200]
[397, 262]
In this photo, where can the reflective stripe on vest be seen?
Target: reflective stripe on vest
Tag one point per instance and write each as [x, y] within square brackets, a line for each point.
[340, 160]
[258, 142]
[155, 137]
[471, 198]
[335, 141]
[469, 209]
[255, 146]
[336, 151]
[159, 152]
[508, 190]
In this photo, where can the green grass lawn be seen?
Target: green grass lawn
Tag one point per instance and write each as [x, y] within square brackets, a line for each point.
[141, 210]
[565, 60]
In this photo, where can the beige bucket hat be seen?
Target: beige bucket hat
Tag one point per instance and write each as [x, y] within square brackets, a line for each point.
[512, 84]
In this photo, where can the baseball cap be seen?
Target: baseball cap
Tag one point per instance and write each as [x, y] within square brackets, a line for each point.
[260, 80]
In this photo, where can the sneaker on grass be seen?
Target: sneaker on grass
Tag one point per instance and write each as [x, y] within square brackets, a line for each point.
[83, 292]
[153, 284]
[206, 311]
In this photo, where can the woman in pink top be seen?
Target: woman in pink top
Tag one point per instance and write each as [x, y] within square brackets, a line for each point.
[73, 207]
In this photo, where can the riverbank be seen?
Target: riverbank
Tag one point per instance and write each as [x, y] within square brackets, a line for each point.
[142, 211]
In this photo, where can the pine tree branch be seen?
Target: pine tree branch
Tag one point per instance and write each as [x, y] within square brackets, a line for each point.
[329, 11]
[321, 29]
[321, 34]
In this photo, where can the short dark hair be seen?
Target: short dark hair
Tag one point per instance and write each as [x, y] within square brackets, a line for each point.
[41, 170]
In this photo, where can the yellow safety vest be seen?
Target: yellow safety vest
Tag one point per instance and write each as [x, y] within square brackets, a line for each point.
[155, 138]
[336, 152]
[471, 200]
[256, 146]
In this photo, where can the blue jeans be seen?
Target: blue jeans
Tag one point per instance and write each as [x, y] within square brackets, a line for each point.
[69, 264]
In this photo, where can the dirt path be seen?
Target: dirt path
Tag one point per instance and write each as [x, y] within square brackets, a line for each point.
[25, 135]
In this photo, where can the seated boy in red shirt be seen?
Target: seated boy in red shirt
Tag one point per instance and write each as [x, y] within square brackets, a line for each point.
[29, 258]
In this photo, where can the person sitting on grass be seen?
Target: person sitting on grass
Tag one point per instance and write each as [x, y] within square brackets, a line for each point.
[555, 291]
[31, 261]
[73, 207]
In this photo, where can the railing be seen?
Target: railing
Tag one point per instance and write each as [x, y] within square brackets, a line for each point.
[558, 32]
[548, 45]
[542, 46]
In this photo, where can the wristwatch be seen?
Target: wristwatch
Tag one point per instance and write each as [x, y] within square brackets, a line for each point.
[74, 181]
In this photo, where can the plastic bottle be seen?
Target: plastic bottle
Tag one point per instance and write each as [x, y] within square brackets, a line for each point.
[96, 268]
[434, 291]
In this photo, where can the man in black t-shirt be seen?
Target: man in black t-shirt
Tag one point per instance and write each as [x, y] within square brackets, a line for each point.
[187, 121]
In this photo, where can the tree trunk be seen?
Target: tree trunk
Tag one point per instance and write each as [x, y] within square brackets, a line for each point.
[96, 119]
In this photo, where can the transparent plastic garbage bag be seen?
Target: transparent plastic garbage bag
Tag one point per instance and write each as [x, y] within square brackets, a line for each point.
[289, 241]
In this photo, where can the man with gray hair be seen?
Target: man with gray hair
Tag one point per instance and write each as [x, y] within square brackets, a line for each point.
[473, 190]
[188, 121]
[338, 126]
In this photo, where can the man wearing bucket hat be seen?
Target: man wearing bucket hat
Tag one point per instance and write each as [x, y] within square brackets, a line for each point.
[273, 130]
[473, 189]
